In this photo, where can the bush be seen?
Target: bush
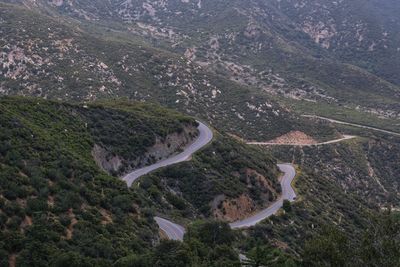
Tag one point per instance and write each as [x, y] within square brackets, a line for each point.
[287, 206]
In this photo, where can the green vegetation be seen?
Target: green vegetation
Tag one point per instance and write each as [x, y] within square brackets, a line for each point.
[207, 244]
[379, 245]
[224, 170]
[344, 184]
[128, 129]
[83, 65]
[56, 206]
[342, 113]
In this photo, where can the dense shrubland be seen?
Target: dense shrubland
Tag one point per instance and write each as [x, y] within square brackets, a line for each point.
[56, 205]
[225, 168]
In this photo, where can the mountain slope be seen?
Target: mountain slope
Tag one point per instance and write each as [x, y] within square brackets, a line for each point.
[297, 49]
[345, 184]
[59, 59]
[363, 33]
[59, 205]
[54, 199]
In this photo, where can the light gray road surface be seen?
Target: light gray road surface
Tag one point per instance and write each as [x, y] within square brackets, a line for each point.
[176, 232]
[205, 136]
[172, 230]
[351, 124]
[287, 193]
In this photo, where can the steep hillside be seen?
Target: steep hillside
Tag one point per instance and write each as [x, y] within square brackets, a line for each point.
[338, 52]
[57, 206]
[364, 33]
[346, 184]
[54, 200]
[249, 68]
[53, 58]
[228, 180]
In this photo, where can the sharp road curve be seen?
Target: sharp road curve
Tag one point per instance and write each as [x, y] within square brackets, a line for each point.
[205, 136]
[288, 193]
[175, 231]
[172, 230]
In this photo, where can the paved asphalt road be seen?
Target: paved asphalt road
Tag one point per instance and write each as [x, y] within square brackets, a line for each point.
[351, 124]
[205, 136]
[176, 232]
[172, 230]
[287, 193]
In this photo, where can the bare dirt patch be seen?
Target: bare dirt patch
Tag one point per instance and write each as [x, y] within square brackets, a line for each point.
[294, 138]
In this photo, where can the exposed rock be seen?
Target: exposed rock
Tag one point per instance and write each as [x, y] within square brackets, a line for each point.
[105, 160]
[12, 259]
[70, 228]
[26, 223]
[162, 148]
[235, 209]
[294, 138]
[243, 206]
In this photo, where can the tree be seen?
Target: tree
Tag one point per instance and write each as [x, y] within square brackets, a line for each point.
[330, 248]
[133, 261]
[170, 254]
[66, 259]
[380, 245]
[287, 206]
[264, 255]
[211, 233]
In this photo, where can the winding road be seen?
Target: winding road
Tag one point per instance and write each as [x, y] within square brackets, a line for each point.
[205, 136]
[288, 193]
[175, 231]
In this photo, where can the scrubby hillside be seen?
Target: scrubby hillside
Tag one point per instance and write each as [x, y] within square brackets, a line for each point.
[345, 184]
[228, 181]
[58, 204]
[337, 52]
[55, 202]
[249, 68]
[60, 59]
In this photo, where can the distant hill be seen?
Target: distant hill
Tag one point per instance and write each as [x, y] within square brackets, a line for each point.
[59, 58]
[335, 52]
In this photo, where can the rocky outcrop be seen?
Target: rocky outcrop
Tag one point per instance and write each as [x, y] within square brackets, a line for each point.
[105, 160]
[162, 148]
[233, 209]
